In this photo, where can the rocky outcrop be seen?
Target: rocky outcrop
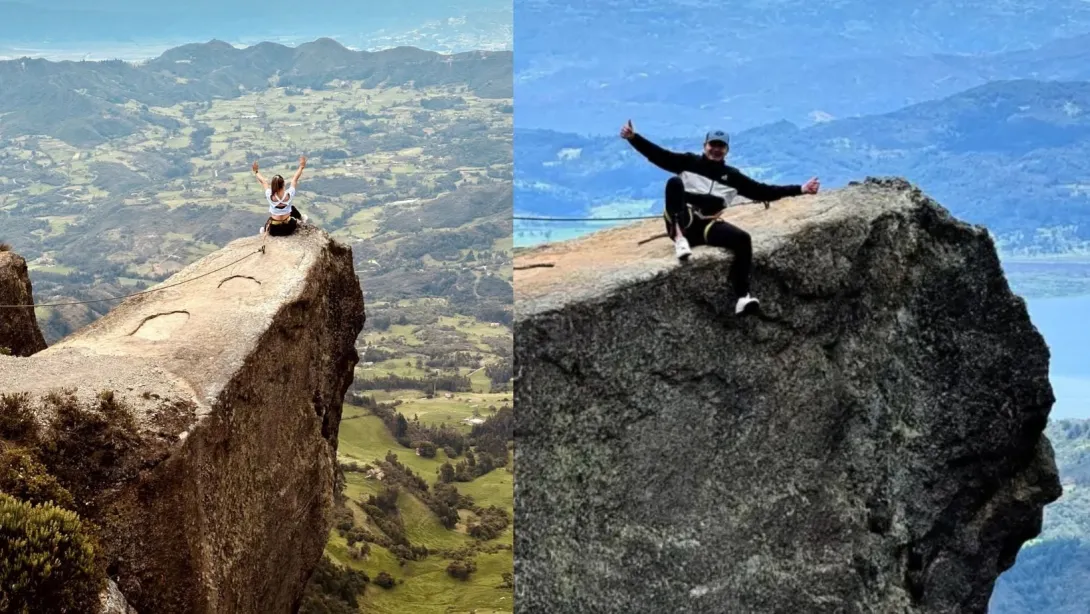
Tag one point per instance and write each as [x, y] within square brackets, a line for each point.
[196, 425]
[19, 332]
[113, 602]
[871, 442]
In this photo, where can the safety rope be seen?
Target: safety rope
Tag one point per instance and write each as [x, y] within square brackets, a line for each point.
[614, 219]
[118, 298]
[586, 219]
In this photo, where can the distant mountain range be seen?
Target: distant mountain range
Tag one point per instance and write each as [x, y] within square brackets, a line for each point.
[1013, 155]
[721, 31]
[153, 170]
[127, 20]
[83, 103]
[750, 63]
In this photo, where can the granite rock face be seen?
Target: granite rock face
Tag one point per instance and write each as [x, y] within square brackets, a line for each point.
[209, 465]
[19, 332]
[871, 442]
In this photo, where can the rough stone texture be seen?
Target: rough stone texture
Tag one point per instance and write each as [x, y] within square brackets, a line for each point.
[19, 331]
[871, 443]
[237, 379]
[113, 602]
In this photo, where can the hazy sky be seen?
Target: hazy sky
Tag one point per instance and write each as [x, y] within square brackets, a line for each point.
[130, 29]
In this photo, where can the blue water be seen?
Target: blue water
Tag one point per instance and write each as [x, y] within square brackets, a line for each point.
[1063, 322]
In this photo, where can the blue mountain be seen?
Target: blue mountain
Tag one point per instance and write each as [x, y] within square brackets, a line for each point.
[1013, 155]
[749, 63]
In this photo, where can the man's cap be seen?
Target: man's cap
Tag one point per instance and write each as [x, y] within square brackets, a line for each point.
[717, 135]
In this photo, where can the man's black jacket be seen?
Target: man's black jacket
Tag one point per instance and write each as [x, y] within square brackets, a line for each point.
[710, 184]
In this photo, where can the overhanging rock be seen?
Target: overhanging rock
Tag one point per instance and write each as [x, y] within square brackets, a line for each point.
[214, 488]
[872, 442]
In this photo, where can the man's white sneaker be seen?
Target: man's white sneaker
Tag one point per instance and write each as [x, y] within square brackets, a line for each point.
[746, 304]
[681, 249]
[261, 230]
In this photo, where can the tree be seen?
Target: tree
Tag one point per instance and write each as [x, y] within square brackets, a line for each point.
[446, 473]
[448, 516]
[461, 569]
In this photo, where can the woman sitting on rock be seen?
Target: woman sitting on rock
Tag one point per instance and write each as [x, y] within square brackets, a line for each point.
[282, 213]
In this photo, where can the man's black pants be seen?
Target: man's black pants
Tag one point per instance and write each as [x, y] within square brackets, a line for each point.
[715, 232]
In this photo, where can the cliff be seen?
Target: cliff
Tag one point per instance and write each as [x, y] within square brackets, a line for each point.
[19, 332]
[196, 426]
[872, 442]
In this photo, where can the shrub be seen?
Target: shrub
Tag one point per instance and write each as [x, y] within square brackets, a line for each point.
[16, 420]
[23, 477]
[384, 580]
[425, 448]
[493, 521]
[333, 589]
[90, 446]
[47, 560]
[461, 569]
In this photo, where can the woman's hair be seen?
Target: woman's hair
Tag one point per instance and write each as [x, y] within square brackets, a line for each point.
[277, 184]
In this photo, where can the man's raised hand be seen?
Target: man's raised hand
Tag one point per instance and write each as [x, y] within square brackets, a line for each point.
[627, 131]
[812, 186]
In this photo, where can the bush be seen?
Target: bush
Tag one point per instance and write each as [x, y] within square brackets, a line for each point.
[90, 446]
[461, 569]
[16, 420]
[333, 589]
[384, 580]
[47, 560]
[23, 477]
[493, 521]
[425, 448]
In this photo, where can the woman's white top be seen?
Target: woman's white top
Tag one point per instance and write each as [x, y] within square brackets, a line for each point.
[280, 207]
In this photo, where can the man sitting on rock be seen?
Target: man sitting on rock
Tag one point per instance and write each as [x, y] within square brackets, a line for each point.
[702, 189]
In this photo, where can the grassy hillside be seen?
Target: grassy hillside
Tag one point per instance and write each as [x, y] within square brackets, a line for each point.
[423, 582]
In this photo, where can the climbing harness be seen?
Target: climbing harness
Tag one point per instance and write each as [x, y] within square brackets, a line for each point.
[281, 228]
[692, 217]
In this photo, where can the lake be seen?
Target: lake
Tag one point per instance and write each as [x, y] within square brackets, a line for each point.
[1062, 321]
